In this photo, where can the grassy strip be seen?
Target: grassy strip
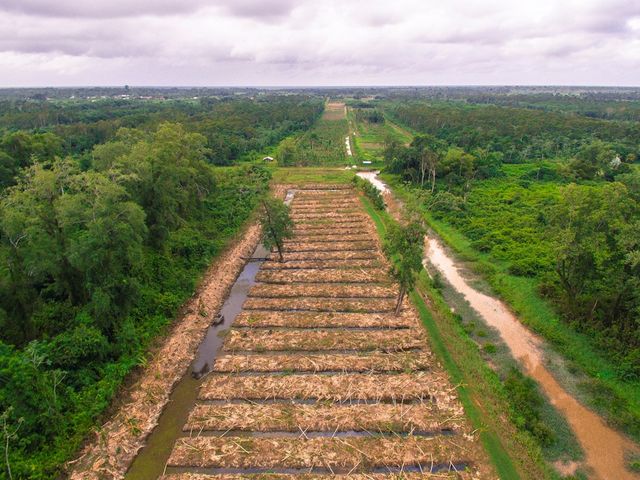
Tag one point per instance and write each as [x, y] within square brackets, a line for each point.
[306, 175]
[618, 401]
[513, 453]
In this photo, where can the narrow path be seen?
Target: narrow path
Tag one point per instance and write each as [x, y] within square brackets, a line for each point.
[604, 447]
[318, 376]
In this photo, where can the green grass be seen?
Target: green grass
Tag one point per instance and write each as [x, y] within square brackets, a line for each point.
[618, 401]
[304, 175]
[369, 142]
[324, 144]
[514, 454]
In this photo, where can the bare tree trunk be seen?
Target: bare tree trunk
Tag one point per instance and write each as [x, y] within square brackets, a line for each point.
[399, 302]
[279, 246]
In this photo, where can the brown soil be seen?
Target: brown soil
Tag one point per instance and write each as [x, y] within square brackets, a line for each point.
[328, 247]
[321, 304]
[377, 417]
[334, 255]
[261, 340]
[321, 264]
[345, 455]
[258, 319]
[431, 387]
[316, 476]
[321, 290]
[334, 111]
[329, 275]
[285, 362]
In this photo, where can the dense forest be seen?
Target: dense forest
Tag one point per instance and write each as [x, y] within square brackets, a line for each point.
[519, 134]
[555, 196]
[110, 212]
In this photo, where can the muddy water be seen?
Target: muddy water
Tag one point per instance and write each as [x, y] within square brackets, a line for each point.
[604, 447]
[150, 462]
[373, 178]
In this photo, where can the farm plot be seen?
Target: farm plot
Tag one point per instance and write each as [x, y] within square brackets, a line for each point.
[318, 378]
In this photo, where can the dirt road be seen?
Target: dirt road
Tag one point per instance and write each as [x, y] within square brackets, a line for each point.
[604, 447]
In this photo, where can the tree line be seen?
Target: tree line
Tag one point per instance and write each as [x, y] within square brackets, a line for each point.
[572, 223]
[97, 252]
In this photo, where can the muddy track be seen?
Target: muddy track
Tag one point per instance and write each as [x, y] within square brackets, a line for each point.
[317, 378]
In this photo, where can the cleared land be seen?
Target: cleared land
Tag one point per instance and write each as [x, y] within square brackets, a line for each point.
[334, 111]
[317, 378]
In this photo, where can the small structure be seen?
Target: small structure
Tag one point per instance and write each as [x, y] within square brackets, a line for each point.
[366, 162]
[268, 159]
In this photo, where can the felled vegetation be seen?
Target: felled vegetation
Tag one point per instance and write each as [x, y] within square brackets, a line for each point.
[307, 380]
[261, 319]
[377, 417]
[337, 454]
[331, 339]
[338, 388]
[370, 362]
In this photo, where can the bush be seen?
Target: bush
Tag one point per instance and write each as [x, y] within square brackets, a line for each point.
[371, 192]
[526, 406]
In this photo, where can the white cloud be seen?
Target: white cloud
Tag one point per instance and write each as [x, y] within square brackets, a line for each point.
[279, 42]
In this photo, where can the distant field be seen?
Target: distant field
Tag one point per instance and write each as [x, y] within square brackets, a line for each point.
[369, 138]
[312, 175]
[334, 111]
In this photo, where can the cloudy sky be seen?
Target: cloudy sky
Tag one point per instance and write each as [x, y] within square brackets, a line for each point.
[319, 42]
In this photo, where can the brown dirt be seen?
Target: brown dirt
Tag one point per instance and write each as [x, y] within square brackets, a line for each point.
[324, 290]
[333, 255]
[317, 476]
[331, 339]
[334, 111]
[377, 417]
[431, 386]
[258, 319]
[285, 362]
[321, 304]
[328, 247]
[346, 455]
[328, 275]
[321, 264]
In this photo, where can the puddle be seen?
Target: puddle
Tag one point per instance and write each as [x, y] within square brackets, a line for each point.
[604, 447]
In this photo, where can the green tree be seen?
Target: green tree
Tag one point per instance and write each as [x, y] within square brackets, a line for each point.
[597, 159]
[404, 245]
[76, 237]
[287, 151]
[276, 224]
[166, 173]
[595, 232]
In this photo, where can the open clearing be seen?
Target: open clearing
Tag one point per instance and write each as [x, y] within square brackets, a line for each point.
[317, 378]
[334, 111]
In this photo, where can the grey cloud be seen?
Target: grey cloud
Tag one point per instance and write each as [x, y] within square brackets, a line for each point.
[261, 9]
[99, 9]
[131, 8]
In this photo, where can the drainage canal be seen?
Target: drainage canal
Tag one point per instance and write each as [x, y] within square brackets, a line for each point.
[150, 462]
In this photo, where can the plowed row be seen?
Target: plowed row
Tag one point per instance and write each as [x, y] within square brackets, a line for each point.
[318, 379]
